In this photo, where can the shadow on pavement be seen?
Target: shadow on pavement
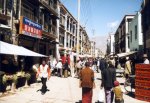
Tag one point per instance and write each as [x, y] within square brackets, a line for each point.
[80, 101]
[99, 102]
[43, 92]
[131, 94]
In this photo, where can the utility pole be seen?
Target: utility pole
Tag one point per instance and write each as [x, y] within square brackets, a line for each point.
[78, 29]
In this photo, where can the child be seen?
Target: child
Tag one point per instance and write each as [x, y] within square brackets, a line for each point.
[118, 93]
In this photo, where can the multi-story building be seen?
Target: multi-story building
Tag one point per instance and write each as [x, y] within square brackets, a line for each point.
[31, 24]
[68, 35]
[97, 52]
[135, 34]
[5, 20]
[122, 35]
[146, 25]
[110, 45]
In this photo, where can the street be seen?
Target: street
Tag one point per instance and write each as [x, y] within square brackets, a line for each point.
[62, 90]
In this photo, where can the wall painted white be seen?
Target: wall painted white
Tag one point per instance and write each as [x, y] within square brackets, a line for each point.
[135, 42]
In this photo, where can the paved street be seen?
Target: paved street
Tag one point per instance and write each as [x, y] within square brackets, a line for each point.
[62, 90]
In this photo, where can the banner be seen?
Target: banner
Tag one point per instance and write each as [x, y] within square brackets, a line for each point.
[30, 28]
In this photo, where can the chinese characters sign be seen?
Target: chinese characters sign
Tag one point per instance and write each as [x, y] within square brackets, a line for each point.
[30, 28]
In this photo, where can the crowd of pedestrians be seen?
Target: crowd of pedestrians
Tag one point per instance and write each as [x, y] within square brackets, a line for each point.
[84, 70]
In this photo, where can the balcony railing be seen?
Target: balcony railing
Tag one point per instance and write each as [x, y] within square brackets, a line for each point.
[51, 32]
[49, 6]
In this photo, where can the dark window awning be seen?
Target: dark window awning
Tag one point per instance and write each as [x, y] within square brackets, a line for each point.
[6, 48]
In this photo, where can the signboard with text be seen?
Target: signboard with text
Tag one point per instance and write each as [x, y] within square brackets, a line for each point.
[30, 28]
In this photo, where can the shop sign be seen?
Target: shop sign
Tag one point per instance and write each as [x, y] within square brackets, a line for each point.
[30, 28]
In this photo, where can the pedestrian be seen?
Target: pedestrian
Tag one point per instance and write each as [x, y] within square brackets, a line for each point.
[44, 73]
[108, 78]
[146, 61]
[54, 66]
[59, 68]
[79, 66]
[98, 63]
[127, 67]
[87, 83]
[66, 69]
[112, 59]
[103, 64]
[118, 93]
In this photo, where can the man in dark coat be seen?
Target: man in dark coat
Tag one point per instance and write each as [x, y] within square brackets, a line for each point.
[103, 64]
[108, 78]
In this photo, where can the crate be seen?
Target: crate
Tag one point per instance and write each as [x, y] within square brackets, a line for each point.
[143, 98]
[142, 82]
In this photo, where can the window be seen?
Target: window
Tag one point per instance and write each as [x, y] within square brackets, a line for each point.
[28, 10]
[131, 36]
[135, 31]
[1, 5]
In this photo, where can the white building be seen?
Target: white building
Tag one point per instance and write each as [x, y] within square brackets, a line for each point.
[135, 33]
[110, 44]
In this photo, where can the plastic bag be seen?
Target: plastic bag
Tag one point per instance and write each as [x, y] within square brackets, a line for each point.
[101, 95]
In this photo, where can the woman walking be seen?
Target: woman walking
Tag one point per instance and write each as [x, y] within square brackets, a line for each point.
[87, 83]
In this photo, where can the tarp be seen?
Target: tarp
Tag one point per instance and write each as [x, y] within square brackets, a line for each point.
[6, 48]
[126, 54]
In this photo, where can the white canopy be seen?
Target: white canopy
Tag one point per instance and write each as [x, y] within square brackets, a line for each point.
[4, 26]
[126, 54]
[6, 48]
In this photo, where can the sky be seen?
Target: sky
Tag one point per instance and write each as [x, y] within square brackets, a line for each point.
[101, 17]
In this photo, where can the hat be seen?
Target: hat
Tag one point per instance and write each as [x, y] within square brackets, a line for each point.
[145, 56]
[127, 58]
[116, 83]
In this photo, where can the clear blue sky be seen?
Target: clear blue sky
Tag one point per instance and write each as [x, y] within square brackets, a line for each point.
[103, 16]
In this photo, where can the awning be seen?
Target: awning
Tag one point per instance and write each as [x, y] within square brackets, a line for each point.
[6, 48]
[4, 26]
[126, 54]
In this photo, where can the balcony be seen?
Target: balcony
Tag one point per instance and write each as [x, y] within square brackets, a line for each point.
[62, 22]
[50, 31]
[51, 7]
[3, 15]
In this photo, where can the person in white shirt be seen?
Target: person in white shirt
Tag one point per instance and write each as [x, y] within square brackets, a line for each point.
[44, 73]
[59, 68]
[146, 61]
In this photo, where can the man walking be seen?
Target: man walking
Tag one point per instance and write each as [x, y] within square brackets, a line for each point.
[103, 65]
[87, 83]
[44, 73]
[108, 78]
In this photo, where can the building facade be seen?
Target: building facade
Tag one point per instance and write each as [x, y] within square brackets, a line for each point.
[30, 24]
[122, 35]
[5, 20]
[110, 45]
[68, 36]
[146, 25]
[135, 34]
